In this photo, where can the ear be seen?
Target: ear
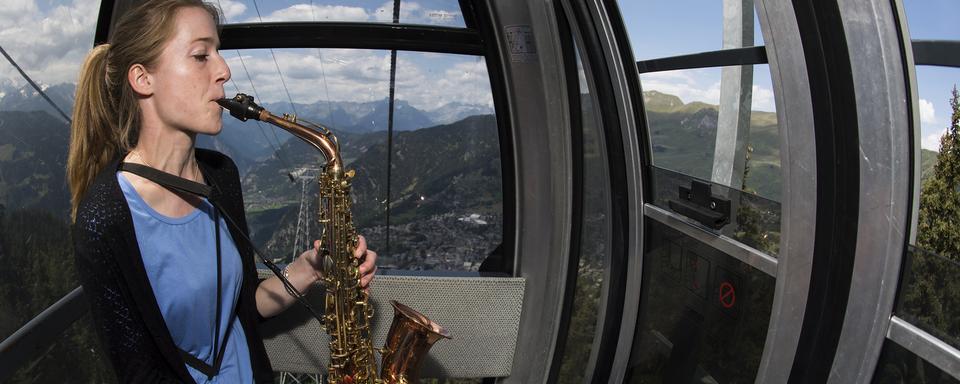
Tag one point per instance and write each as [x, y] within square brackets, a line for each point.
[140, 80]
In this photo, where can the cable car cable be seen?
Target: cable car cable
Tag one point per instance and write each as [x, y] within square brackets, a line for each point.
[393, 82]
[35, 86]
[276, 150]
[275, 63]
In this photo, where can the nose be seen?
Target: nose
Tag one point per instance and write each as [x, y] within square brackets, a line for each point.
[223, 70]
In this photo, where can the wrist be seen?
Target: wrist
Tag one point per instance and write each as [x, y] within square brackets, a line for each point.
[300, 275]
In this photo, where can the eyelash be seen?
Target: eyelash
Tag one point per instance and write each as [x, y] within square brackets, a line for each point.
[201, 58]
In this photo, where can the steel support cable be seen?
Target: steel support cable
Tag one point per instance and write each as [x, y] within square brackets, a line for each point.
[275, 63]
[323, 76]
[35, 86]
[276, 150]
[393, 79]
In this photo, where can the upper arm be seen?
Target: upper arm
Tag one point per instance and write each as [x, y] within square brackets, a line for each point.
[120, 327]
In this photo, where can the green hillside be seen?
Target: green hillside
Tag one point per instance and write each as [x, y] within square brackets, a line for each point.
[33, 154]
[683, 138]
[440, 177]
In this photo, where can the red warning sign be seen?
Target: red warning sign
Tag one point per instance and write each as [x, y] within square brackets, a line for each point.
[728, 295]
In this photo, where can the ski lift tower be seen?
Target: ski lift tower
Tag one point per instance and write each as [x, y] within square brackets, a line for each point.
[301, 238]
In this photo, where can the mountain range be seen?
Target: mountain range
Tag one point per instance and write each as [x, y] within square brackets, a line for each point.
[433, 166]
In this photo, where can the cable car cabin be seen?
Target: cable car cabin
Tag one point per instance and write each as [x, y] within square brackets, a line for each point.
[736, 191]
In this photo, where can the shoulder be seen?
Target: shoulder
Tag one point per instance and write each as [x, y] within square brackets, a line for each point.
[103, 205]
[215, 161]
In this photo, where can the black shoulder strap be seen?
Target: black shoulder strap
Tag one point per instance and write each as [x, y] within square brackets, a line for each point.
[179, 184]
[167, 180]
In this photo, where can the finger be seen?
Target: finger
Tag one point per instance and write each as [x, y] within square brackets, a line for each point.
[361, 247]
[369, 263]
[365, 280]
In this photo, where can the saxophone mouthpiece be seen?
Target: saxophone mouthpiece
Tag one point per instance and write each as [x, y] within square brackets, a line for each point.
[242, 107]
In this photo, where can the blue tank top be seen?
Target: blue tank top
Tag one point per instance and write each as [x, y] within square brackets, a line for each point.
[180, 256]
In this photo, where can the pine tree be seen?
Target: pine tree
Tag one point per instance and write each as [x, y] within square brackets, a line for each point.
[930, 296]
[939, 221]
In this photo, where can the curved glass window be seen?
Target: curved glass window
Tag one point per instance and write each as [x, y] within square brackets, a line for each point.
[432, 12]
[899, 365]
[670, 28]
[595, 230]
[929, 295]
[48, 41]
[715, 181]
[439, 204]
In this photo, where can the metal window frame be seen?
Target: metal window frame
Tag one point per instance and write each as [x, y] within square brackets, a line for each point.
[589, 21]
[353, 35]
[718, 58]
[568, 53]
[926, 346]
[733, 248]
[837, 186]
[912, 338]
[880, 79]
[945, 53]
[793, 267]
[799, 200]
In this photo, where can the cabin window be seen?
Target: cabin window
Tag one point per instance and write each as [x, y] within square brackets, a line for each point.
[439, 207]
[429, 12]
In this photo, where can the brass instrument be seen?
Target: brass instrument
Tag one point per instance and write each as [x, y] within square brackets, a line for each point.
[348, 311]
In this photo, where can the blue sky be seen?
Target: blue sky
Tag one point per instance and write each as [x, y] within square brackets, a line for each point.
[670, 28]
[49, 38]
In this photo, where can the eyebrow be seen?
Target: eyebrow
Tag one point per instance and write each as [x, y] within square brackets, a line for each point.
[208, 40]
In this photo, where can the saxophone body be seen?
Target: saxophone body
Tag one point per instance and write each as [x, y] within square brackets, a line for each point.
[348, 312]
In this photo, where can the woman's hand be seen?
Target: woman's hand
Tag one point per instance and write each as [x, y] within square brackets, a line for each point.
[304, 272]
[309, 266]
[368, 262]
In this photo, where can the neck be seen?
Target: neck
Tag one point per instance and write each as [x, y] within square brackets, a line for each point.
[173, 155]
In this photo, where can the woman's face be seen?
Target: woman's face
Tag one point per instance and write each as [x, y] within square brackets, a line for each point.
[189, 75]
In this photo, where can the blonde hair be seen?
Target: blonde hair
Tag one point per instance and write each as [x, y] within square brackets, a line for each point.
[106, 116]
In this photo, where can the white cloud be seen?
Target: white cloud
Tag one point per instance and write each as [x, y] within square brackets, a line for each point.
[360, 76]
[50, 45]
[927, 113]
[702, 86]
[763, 99]
[932, 141]
[231, 9]
[305, 12]
[689, 86]
[413, 13]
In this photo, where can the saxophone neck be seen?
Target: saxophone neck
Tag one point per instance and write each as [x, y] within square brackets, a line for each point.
[243, 108]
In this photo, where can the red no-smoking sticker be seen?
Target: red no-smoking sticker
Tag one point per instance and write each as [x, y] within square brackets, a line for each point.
[728, 295]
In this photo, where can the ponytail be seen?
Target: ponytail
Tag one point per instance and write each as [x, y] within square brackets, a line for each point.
[106, 114]
[93, 136]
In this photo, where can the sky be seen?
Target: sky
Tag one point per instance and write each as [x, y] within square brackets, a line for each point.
[676, 27]
[49, 38]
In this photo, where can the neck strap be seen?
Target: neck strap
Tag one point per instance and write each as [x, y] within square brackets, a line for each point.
[171, 182]
[179, 184]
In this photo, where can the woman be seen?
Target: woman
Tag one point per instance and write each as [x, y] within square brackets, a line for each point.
[171, 278]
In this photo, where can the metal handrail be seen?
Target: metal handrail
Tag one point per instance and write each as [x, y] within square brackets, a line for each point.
[34, 337]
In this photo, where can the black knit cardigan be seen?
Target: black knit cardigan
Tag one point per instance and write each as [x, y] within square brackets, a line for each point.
[125, 310]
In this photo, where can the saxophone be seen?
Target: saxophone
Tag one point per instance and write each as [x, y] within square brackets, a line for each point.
[348, 311]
